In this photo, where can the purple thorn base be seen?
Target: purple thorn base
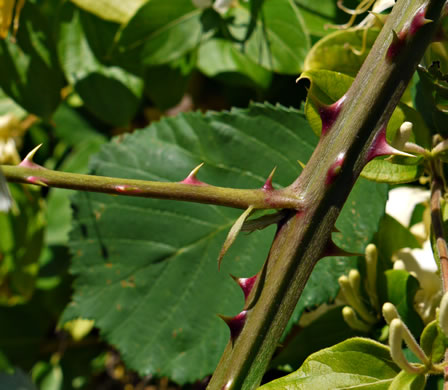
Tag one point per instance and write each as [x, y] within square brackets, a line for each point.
[328, 114]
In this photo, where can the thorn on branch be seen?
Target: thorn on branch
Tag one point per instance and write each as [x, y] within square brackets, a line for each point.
[192, 179]
[246, 284]
[268, 184]
[28, 160]
[328, 113]
[380, 147]
[235, 324]
[36, 180]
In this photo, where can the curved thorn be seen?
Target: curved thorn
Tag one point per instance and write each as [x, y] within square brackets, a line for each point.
[246, 284]
[28, 160]
[268, 184]
[192, 179]
[235, 324]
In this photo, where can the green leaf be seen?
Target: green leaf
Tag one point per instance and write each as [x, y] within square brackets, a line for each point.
[113, 10]
[108, 91]
[29, 71]
[221, 57]
[400, 288]
[47, 376]
[354, 363]
[21, 239]
[392, 236]
[407, 381]
[336, 52]
[317, 14]
[328, 87]
[17, 381]
[158, 272]
[166, 84]
[327, 330]
[279, 42]
[165, 31]
[433, 342]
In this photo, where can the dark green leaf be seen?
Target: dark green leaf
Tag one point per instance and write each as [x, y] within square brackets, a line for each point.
[279, 42]
[156, 272]
[400, 288]
[222, 57]
[166, 84]
[164, 31]
[108, 91]
[327, 330]
[29, 71]
[354, 363]
[392, 236]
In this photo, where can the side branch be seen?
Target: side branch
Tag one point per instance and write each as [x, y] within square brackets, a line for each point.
[190, 189]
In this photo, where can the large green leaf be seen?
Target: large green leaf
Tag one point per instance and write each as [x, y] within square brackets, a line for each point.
[108, 91]
[279, 42]
[354, 363]
[29, 71]
[164, 31]
[328, 86]
[155, 261]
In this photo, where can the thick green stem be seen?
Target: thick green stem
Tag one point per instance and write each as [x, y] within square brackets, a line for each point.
[199, 192]
[302, 240]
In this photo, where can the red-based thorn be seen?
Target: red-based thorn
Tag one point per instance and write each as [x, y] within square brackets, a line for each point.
[36, 180]
[333, 250]
[398, 41]
[329, 114]
[418, 20]
[246, 284]
[126, 189]
[235, 324]
[335, 169]
[192, 179]
[28, 160]
[268, 183]
[380, 147]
